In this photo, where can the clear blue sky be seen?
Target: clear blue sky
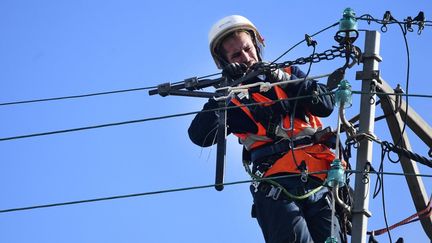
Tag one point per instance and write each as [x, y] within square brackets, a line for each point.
[59, 48]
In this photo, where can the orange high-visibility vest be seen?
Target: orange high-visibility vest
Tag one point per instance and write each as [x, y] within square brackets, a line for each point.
[317, 157]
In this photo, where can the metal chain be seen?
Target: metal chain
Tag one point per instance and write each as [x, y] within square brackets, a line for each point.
[329, 54]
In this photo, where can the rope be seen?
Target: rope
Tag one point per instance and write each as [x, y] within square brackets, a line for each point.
[427, 212]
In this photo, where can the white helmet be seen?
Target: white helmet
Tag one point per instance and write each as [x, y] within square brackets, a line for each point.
[227, 25]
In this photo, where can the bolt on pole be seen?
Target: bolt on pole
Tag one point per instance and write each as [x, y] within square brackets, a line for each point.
[360, 211]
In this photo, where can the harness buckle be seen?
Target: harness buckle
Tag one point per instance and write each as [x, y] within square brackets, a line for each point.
[274, 192]
[256, 183]
[304, 176]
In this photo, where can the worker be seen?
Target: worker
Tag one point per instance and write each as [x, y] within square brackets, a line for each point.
[279, 138]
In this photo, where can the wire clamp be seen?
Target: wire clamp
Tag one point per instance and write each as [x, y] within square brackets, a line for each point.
[375, 74]
[365, 212]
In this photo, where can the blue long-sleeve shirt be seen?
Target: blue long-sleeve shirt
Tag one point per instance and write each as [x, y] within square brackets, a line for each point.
[203, 128]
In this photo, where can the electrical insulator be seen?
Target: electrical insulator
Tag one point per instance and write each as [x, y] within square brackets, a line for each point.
[343, 94]
[336, 174]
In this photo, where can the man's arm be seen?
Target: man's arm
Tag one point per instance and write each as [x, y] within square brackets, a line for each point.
[203, 128]
[323, 105]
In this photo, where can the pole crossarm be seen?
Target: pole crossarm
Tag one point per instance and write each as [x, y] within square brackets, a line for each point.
[423, 131]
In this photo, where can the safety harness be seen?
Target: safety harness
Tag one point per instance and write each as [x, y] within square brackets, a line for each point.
[278, 133]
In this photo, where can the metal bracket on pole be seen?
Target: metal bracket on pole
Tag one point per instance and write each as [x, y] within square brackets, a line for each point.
[365, 212]
[364, 154]
[373, 75]
[374, 56]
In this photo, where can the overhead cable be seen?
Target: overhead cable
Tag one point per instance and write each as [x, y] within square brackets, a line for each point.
[176, 115]
[298, 43]
[91, 94]
[146, 119]
[134, 195]
[190, 188]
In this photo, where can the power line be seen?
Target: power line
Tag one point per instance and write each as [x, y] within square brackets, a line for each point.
[91, 94]
[365, 17]
[178, 115]
[393, 94]
[298, 43]
[75, 96]
[192, 188]
[98, 126]
[137, 194]
[146, 119]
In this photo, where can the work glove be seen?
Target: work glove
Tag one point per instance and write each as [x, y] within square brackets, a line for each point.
[272, 74]
[234, 70]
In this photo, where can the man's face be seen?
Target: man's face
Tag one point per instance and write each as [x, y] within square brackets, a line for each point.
[240, 48]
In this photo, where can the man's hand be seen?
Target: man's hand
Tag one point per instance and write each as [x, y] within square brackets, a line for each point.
[273, 74]
[234, 70]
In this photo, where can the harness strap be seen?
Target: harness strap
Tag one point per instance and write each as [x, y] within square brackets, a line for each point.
[278, 148]
[324, 136]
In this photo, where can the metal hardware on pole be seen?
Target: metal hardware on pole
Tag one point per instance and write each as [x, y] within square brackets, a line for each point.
[360, 209]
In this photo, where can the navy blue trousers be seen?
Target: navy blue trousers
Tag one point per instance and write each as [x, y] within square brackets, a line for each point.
[287, 220]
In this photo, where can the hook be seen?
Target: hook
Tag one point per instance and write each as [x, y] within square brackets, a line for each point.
[398, 101]
[408, 24]
[372, 90]
[315, 97]
[310, 41]
[386, 19]
[365, 176]
[420, 18]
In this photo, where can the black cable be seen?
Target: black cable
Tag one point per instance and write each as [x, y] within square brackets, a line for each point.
[393, 94]
[188, 188]
[168, 116]
[96, 126]
[144, 194]
[91, 94]
[369, 18]
[147, 119]
[390, 173]
[392, 20]
[292, 116]
[74, 96]
[378, 118]
[378, 182]
[384, 150]
[384, 208]
[406, 85]
[405, 152]
[298, 43]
